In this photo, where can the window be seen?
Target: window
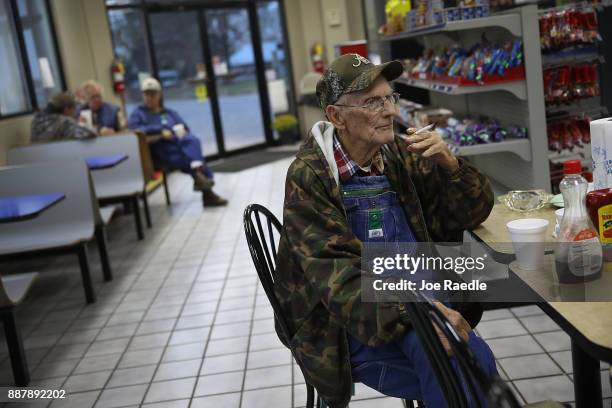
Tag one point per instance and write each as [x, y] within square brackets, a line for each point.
[38, 39]
[13, 98]
[30, 72]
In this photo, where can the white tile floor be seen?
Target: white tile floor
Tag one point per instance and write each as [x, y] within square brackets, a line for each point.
[184, 323]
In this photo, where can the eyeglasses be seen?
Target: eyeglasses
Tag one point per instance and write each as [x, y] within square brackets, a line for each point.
[376, 104]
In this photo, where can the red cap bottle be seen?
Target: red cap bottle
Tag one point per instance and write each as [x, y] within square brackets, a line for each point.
[572, 167]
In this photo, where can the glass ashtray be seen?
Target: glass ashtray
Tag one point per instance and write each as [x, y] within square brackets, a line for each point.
[525, 200]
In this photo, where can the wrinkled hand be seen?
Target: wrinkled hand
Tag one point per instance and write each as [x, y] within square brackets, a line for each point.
[431, 146]
[457, 321]
[166, 134]
[105, 131]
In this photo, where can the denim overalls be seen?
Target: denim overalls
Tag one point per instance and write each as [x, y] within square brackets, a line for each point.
[373, 211]
[401, 368]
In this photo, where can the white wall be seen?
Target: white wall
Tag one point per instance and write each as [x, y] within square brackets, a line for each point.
[308, 23]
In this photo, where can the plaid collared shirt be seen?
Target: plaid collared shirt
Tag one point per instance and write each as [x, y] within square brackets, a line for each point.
[347, 168]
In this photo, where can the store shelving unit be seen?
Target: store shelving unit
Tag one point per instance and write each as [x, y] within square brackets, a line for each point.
[515, 164]
[520, 147]
[575, 56]
[510, 22]
[515, 87]
[592, 107]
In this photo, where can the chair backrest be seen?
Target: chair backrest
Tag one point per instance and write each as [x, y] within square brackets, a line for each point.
[70, 177]
[495, 391]
[260, 225]
[124, 179]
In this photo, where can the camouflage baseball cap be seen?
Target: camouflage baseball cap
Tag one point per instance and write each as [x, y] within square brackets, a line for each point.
[352, 73]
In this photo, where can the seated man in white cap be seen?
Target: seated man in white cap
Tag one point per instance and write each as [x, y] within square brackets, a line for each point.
[177, 148]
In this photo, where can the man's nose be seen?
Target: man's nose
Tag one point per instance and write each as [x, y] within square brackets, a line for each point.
[389, 108]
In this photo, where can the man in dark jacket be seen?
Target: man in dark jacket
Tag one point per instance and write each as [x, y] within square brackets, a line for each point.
[354, 182]
[106, 118]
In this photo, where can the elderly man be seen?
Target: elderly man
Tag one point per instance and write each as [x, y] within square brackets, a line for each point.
[106, 118]
[354, 182]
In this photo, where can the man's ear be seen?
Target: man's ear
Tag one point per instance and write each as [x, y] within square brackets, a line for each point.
[333, 115]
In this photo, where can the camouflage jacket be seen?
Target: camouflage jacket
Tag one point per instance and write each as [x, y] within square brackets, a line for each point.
[318, 270]
[51, 127]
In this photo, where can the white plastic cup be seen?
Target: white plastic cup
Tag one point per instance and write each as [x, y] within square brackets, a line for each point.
[528, 239]
[86, 118]
[179, 130]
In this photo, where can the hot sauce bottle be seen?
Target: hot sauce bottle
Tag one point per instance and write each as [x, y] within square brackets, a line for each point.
[599, 206]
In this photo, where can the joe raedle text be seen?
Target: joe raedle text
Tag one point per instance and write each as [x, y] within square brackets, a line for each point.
[446, 285]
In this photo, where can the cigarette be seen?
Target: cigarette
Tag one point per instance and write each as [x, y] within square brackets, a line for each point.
[419, 131]
[425, 129]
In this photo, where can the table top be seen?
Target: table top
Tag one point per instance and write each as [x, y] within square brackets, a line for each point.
[589, 323]
[545, 283]
[493, 231]
[104, 162]
[582, 310]
[19, 208]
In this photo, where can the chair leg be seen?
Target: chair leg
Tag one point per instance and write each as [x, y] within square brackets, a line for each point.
[309, 396]
[90, 295]
[166, 189]
[103, 249]
[15, 348]
[145, 205]
[136, 210]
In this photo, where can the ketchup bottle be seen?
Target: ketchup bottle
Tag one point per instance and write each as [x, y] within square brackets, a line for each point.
[599, 205]
[578, 255]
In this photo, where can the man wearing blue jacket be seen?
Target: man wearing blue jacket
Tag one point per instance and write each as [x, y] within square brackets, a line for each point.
[106, 118]
[172, 144]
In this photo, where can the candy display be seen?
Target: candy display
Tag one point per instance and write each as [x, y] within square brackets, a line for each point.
[501, 4]
[469, 132]
[568, 133]
[566, 84]
[430, 13]
[570, 27]
[483, 63]
[460, 132]
[396, 11]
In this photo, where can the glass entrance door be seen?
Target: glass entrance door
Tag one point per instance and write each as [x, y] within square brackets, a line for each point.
[179, 59]
[234, 72]
[205, 62]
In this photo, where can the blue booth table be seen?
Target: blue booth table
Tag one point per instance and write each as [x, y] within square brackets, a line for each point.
[105, 162]
[19, 208]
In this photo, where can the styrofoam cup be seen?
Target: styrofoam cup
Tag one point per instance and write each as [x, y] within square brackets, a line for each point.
[86, 118]
[179, 130]
[528, 239]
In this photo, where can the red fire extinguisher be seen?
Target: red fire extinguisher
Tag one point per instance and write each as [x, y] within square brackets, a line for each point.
[316, 55]
[118, 74]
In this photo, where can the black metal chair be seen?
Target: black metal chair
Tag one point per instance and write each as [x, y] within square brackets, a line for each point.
[263, 252]
[495, 391]
[262, 245]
